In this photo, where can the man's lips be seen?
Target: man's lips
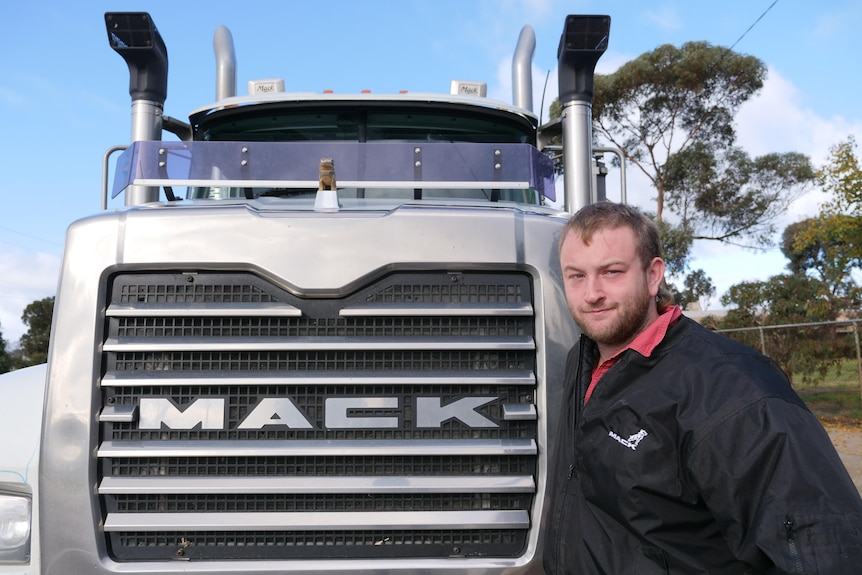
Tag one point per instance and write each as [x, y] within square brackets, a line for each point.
[597, 311]
[597, 314]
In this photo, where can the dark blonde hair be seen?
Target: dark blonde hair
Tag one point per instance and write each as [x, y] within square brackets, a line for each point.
[609, 215]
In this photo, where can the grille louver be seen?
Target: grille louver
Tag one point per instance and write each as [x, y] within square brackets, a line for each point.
[240, 421]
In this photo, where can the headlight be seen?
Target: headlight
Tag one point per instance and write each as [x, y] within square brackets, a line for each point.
[15, 515]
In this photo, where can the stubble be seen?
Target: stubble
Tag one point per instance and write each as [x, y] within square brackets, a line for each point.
[630, 319]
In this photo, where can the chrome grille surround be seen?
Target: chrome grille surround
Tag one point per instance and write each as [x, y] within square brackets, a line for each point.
[241, 421]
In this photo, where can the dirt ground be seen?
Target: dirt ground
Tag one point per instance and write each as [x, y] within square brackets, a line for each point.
[847, 440]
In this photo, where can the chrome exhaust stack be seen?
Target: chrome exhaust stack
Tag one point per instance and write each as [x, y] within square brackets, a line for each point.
[225, 63]
[522, 69]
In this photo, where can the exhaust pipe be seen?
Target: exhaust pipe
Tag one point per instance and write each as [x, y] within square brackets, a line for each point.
[134, 37]
[584, 40]
[522, 69]
[225, 63]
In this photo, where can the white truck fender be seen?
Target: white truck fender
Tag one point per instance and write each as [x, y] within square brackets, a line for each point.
[22, 394]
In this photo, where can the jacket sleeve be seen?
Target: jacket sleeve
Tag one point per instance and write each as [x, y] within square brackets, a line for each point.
[781, 494]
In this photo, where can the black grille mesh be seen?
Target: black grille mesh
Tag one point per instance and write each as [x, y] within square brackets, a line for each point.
[347, 466]
[317, 503]
[167, 289]
[300, 327]
[329, 544]
[320, 361]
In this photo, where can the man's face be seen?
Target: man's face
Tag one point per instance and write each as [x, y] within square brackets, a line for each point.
[610, 294]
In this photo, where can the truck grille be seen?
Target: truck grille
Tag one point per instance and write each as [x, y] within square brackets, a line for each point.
[241, 421]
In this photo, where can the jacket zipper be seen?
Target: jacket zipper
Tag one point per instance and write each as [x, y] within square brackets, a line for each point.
[792, 546]
[573, 418]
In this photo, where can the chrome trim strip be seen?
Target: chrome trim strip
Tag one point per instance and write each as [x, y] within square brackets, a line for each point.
[305, 485]
[440, 309]
[519, 412]
[203, 310]
[313, 184]
[119, 414]
[317, 521]
[487, 377]
[274, 448]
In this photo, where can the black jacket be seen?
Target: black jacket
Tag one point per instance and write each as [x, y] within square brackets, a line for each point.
[697, 459]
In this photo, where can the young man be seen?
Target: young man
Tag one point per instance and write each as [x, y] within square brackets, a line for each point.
[683, 451]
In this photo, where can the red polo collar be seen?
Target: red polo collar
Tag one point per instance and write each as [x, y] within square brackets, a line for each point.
[644, 344]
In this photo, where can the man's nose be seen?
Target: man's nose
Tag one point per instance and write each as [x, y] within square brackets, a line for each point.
[593, 291]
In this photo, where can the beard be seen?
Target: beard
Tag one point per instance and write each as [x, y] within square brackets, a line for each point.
[630, 319]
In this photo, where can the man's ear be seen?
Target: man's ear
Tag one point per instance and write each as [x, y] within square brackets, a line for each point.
[655, 275]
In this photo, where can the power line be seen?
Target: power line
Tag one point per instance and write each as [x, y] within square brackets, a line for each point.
[30, 236]
[754, 24]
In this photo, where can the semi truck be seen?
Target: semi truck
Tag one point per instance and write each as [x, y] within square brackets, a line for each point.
[325, 333]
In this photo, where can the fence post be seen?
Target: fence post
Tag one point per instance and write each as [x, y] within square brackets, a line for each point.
[762, 341]
[858, 355]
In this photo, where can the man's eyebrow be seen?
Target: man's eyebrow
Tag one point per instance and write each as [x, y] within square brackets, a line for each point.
[615, 263]
[604, 266]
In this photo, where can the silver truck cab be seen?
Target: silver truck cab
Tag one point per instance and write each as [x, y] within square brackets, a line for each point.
[325, 334]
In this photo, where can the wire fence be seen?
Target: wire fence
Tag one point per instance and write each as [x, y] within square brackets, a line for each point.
[817, 353]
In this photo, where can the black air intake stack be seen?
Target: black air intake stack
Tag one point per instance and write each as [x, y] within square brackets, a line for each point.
[584, 40]
[134, 37]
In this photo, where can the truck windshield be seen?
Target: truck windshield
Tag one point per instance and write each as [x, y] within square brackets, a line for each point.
[364, 124]
[221, 170]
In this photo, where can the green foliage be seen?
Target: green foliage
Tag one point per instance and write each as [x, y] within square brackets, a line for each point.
[842, 177]
[697, 288]
[664, 101]
[829, 246]
[725, 195]
[804, 353]
[676, 241]
[5, 357]
[34, 344]
[671, 112]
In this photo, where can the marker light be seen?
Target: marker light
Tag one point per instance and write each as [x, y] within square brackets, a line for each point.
[462, 88]
[258, 87]
[14, 528]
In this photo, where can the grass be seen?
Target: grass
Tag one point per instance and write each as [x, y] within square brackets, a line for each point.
[838, 399]
[834, 404]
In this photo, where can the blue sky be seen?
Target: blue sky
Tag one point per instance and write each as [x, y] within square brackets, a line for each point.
[64, 93]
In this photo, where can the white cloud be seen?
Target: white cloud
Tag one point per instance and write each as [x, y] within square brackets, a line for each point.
[25, 277]
[776, 120]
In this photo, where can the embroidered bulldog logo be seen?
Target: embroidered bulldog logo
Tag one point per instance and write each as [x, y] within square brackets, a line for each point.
[633, 440]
